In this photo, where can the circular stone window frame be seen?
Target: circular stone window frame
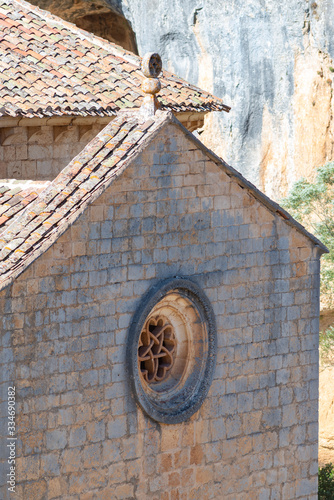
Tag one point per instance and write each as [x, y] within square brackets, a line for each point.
[172, 403]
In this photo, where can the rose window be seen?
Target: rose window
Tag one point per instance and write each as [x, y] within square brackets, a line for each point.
[156, 349]
[171, 350]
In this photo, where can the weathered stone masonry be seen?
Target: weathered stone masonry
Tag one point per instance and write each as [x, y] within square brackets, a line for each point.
[41, 152]
[173, 212]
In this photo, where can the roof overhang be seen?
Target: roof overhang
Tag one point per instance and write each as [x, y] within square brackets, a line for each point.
[22, 121]
[191, 120]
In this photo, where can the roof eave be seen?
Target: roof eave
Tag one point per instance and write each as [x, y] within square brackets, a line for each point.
[23, 121]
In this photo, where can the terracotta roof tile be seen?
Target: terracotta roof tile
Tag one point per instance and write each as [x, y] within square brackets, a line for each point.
[15, 196]
[49, 66]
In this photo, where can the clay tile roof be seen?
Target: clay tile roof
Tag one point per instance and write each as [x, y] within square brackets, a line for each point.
[15, 196]
[50, 67]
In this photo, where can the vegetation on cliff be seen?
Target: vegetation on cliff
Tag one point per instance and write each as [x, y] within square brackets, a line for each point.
[326, 482]
[312, 204]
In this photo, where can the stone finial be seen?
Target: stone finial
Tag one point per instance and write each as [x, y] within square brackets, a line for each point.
[151, 66]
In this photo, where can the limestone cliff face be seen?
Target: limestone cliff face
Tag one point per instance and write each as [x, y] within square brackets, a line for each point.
[271, 61]
[326, 415]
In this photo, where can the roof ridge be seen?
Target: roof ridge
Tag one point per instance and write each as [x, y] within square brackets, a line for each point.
[73, 72]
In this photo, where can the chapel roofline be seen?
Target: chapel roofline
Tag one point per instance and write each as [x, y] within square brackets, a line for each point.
[50, 67]
[87, 176]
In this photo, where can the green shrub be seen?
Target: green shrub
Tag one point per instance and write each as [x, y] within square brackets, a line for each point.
[312, 204]
[326, 482]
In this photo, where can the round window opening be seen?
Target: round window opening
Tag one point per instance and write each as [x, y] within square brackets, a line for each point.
[172, 350]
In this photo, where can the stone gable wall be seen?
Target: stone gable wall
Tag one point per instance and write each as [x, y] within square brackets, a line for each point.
[41, 152]
[173, 212]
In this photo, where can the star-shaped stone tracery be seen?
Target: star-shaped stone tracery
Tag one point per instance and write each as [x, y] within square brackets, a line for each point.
[156, 349]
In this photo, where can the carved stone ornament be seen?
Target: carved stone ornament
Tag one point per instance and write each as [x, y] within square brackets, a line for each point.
[157, 346]
[151, 65]
[151, 85]
[171, 350]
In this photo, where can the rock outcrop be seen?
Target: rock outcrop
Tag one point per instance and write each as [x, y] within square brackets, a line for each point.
[326, 415]
[326, 396]
[271, 61]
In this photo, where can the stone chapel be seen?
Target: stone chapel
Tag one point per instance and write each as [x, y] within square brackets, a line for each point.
[160, 326]
[159, 321]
